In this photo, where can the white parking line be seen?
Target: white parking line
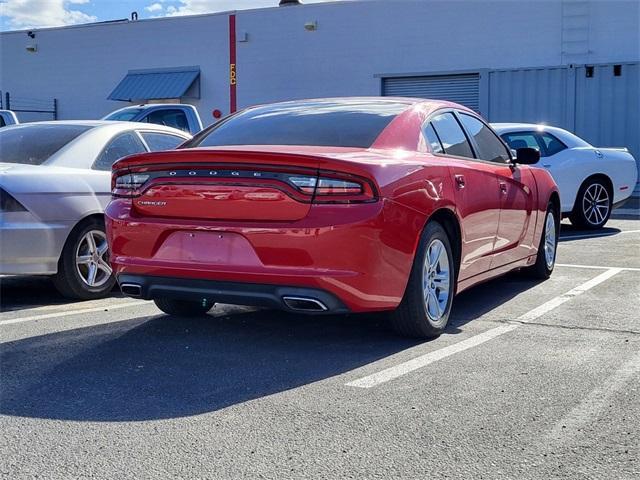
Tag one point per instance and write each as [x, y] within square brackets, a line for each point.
[424, 360]
[592, 405]
[401, 369]
[595, 235]
[582, 237]
[565, 297]
[71, 312]
[626, 211]
[597, 267]
[104, 302]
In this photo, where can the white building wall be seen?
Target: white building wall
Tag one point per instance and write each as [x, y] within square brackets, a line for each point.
[354, 42]
[80, 66]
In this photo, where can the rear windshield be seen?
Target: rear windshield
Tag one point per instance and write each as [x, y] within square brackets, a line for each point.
[34, 144]
[123, 116]
[333, 124]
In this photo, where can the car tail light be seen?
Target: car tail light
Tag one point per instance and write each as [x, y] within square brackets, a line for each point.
[334, 188]
[329, 187]
[9, 204]
[128, 184]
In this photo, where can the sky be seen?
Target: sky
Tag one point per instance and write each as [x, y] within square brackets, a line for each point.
[21, 14]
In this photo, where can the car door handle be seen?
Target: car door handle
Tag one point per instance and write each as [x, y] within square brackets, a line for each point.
[460, 183]
[503, 187]
[546, 165]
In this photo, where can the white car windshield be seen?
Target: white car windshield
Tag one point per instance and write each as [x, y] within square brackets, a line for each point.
[34, 144]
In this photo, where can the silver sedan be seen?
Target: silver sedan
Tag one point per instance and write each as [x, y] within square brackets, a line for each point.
[55, 181]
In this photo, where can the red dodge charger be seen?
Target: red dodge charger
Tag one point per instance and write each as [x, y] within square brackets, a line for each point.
[332, 206]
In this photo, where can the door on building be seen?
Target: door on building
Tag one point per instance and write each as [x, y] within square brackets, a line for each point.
[463, 89]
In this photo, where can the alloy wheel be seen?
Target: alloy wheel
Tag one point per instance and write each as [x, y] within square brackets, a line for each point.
[435, 282]
[595, 204]
[550, 239]
[92, 259]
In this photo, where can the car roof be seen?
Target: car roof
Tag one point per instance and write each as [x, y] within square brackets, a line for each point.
[90, 143]
[403, 132]
[431, 104]
[152, 105]
[512, 127]
[112, 124]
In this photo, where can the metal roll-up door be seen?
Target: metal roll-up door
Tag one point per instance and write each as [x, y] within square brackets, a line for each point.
[463, 89]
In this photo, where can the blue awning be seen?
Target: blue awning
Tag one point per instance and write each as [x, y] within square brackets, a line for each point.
[156, 84]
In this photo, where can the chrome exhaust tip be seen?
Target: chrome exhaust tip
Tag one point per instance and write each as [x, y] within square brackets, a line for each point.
[131, 290]
[303, 304]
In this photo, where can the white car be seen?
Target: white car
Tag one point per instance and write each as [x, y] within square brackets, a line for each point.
[55, 182]
[591, 180]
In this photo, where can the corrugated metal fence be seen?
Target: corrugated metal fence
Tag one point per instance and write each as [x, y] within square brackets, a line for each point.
[600, 103]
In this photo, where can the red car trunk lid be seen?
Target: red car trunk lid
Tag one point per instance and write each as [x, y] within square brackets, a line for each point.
[227, 185]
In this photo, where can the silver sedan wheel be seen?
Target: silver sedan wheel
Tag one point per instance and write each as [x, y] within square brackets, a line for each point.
[595, 204]
[435, 282]
[550, 239]
[92, 259]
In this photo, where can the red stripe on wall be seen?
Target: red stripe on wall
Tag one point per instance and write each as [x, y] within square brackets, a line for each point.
[233, 79]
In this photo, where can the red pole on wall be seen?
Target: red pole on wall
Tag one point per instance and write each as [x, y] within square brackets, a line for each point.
[232, 63]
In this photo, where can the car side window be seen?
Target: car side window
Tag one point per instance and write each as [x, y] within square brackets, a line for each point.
[171, 118]
[490, 147]
[453, 139]
[161, 141]
[551, 144]
[121, 146]
[432, 138]
[2, 122]
[517, 140]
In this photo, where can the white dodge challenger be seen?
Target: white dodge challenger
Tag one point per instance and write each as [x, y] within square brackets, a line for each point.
[591, 180]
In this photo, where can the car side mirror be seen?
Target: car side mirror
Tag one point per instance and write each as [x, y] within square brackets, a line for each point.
[527, 156]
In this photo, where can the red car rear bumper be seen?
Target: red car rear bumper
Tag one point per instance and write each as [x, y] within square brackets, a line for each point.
[358, 255]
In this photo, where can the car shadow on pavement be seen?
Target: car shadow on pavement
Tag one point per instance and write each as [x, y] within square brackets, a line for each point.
[568, 232]
[477, 301]
[166, 367]
[22, 292]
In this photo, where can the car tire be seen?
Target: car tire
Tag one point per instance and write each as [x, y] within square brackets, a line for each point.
[182, 308]
[426, 305]
[548, 246]
[85, 251]
[593, 206]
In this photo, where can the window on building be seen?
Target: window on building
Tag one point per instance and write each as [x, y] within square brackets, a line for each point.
[490, 147]
[450, 133]
[161, 141]
[431, 137]
[171, 118]
[124, 144]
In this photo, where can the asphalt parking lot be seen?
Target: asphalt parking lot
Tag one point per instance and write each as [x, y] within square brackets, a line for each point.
[532, 380]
